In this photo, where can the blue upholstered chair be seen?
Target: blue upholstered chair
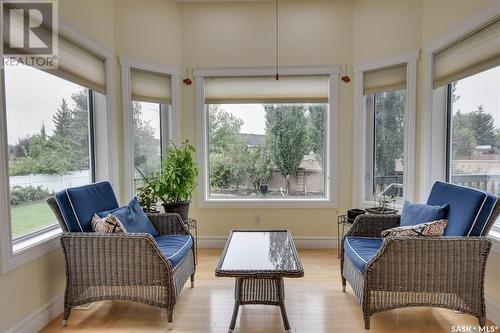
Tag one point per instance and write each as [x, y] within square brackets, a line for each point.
[447, 271]
[139, 267]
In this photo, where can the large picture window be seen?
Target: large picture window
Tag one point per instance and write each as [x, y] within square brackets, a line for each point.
[267, 150]
[473, 143]
[266, 140]
[49, 130]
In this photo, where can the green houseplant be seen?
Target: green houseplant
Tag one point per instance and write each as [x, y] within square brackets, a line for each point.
[383, 206]
[177, 181]
[146, 193]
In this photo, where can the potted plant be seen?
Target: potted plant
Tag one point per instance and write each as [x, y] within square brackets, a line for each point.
[178, 179]
[383, 206]
[146, 193]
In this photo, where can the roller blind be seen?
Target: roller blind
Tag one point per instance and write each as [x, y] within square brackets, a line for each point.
[75, 62]
[150, 87]
[266, 89]
[470, 55]
[384, 79]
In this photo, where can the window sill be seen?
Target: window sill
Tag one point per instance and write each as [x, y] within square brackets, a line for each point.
[267, 203]
[30, 249]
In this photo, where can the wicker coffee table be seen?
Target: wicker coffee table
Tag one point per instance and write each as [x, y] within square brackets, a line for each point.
[259, 260]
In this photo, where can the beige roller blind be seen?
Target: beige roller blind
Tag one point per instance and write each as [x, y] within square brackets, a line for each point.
[75, 63]
[470, 55]
[266, 89]
[384, 79]
[150, 87]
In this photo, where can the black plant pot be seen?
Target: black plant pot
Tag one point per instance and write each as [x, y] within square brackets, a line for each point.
[181, 208]
[353, 213]
[263, 189]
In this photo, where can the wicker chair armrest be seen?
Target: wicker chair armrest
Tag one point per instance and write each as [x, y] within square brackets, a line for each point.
[429, 262]
[371, 225]
[115, 259]
[168, 223]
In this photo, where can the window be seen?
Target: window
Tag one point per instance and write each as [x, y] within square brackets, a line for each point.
[147, 139]
[473, 145]
[388, 148]
[49, 129]
[266, 140]
[386, 133]
[265, 151]
[147, 97]
[465, 119]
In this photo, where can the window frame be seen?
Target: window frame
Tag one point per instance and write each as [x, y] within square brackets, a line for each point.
[105, 157]
[363, 153]
[331, 170]
[434, 107]
[170, 125]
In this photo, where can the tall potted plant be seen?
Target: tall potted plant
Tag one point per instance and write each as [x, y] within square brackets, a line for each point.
[178, 179]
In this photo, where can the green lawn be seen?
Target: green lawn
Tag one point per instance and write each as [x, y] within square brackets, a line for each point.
[31, 217]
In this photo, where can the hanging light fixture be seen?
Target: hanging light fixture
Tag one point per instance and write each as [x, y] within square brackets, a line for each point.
[277, 34]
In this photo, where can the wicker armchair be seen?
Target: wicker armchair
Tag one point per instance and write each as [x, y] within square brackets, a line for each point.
[446, 272]
[131, 266]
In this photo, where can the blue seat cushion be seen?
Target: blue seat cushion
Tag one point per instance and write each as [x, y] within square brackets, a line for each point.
[79, 204]
[132, 217]
[174, 247]
[415, 213]
[360, 250]
[469, 209]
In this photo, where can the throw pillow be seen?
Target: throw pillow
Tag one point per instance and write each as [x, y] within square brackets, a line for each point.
[109, 224]
[435, 228]
[133, 218]
[420, 213]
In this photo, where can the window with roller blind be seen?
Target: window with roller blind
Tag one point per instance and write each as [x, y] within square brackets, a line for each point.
[51, 142]
[148, 96]
[467, 72]
[385, 134]
[266, 138]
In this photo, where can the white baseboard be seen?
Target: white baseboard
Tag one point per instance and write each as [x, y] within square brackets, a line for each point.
[493, 311]
[305, 242]
[40, 317]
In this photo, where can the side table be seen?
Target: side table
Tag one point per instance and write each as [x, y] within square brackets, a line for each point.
[192, 224]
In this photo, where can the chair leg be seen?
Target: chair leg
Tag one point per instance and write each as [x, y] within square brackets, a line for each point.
[170, 319]
[66, 313]
[482, 321]
[192, 280]
[367, 322]
[344, 283]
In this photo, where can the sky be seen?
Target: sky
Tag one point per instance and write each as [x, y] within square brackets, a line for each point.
[33, 96]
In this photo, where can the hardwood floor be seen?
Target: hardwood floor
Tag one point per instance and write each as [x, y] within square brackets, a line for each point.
[314, 304]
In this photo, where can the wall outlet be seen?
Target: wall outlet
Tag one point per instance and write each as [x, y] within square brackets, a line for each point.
[257, 220]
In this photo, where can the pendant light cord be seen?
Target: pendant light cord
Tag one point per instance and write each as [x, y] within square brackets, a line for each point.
[277, 40]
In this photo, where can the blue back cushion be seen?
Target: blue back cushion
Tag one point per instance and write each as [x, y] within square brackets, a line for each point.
[133, 218]
[421, 213]
[78, 204]
[469, 208]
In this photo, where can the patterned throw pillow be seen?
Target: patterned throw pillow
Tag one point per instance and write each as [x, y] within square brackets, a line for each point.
[434, 228]
[109, 224]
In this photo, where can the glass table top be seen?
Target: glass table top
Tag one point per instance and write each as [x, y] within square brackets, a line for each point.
[260, 250]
